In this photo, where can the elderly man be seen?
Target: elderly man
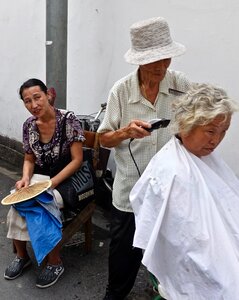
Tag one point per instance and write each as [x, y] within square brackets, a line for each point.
[143, 95]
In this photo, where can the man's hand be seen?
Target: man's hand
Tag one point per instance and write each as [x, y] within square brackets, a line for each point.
[136, 129]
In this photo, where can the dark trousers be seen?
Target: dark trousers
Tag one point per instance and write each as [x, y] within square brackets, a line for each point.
[124, 259]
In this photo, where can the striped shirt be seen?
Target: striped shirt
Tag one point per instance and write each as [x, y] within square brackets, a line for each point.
[126, 103]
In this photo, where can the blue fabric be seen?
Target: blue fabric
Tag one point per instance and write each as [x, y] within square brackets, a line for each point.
[44, 227]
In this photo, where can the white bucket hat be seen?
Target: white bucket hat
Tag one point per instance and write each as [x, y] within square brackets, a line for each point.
[151, 41]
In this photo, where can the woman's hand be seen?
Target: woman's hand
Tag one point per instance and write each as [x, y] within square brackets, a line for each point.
[22, 183]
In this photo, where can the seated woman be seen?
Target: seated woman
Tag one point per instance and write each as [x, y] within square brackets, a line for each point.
[42, 133]
[186, 204]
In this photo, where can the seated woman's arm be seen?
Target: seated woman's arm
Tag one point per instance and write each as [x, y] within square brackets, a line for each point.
[76, 160]
[28, 168]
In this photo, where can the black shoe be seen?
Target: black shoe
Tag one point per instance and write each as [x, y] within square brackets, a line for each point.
[49, 275]
[16, 267]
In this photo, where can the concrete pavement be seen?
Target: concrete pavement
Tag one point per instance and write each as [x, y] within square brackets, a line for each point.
[85, 276]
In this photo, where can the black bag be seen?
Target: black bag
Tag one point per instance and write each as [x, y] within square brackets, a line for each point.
[79, 188]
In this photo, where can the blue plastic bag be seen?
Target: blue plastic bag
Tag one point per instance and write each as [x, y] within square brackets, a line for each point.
[43, 226]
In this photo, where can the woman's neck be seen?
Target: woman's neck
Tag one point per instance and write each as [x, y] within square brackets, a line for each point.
[47, 125]
[49, 115]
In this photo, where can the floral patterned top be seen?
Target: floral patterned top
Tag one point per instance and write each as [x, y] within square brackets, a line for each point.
[48, 154]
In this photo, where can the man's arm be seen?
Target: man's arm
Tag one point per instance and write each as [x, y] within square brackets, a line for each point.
[135, 130]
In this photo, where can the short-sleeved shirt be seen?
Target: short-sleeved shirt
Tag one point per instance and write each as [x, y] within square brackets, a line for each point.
[126, 103]
[48, 153]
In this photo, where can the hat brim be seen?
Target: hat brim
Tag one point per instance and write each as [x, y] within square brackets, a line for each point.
[149, 56]
[27, 193]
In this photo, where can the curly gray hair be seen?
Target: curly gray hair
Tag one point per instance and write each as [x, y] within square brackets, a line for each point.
[199, 106]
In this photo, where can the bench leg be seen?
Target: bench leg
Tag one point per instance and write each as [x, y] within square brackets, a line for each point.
[84, 218]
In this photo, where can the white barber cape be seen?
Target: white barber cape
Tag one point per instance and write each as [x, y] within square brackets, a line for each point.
[187, 221]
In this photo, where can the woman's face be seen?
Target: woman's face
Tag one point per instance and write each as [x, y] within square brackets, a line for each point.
[202, 140]
[157, 69]
[35, 100]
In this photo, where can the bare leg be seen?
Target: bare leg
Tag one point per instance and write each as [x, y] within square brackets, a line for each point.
[54, 257]
[21, 248]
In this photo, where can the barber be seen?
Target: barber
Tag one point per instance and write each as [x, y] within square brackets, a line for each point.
[142, 95]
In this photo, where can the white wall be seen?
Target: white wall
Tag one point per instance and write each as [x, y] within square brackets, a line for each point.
[22, 53]
[99, 37]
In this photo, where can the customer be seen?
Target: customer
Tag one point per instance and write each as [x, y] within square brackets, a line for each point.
[143, 95]
[186, 204]
[42, 133]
